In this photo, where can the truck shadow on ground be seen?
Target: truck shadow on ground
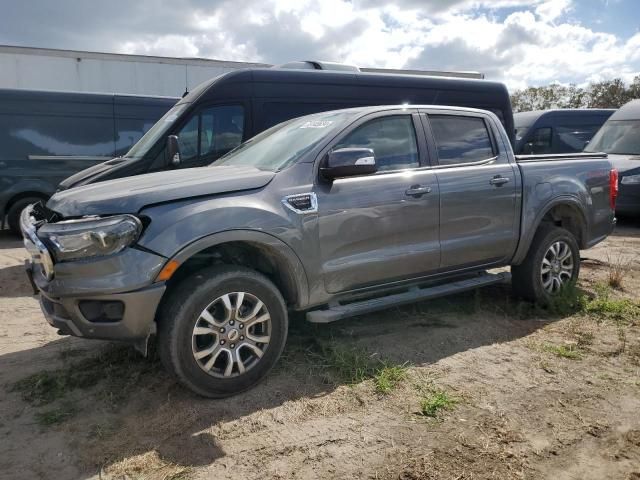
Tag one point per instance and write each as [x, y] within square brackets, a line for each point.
[115, 404]
[9, 240]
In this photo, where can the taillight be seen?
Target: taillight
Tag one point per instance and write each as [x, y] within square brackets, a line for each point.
[613, 188]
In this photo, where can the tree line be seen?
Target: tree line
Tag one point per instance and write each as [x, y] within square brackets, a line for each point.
[607, 94]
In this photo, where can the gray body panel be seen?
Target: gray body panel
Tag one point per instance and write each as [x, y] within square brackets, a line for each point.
[367, 233]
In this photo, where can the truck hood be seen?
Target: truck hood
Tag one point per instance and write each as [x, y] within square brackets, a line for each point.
[84, 176]
[623, 163]
[131, 194]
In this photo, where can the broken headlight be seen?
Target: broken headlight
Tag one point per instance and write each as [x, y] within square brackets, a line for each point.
[90, 237]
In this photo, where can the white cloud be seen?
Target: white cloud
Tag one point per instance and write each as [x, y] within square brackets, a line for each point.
[552, 9]
[520, 42]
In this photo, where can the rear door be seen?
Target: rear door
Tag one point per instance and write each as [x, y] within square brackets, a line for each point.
[477, 190]
[382, 227]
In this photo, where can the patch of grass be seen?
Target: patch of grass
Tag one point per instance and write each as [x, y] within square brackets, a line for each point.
[389, 377]
[435, 401]
[619, 266]
[564, 351]
[349, 365]
[56, 416]
[619, 310]
[568, 301]
[119, 367]
[352, 365]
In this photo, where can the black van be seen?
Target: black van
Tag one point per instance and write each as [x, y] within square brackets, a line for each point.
[221, 113]
[47, 136]
[557, 131]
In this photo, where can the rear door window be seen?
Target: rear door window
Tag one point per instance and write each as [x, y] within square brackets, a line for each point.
[461, 139]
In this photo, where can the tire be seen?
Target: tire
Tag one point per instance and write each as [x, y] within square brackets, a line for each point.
[13, 214]
[183, 330]
[530, 278]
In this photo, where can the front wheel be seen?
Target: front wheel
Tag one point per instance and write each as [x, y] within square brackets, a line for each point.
[551, 265]
[222, 330]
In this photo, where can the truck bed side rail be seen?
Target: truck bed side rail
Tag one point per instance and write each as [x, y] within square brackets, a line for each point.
[560, 156]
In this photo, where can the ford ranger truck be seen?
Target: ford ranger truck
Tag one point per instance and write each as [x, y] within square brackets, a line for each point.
[335, 214]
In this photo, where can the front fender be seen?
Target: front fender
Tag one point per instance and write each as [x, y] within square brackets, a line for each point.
[286, 255]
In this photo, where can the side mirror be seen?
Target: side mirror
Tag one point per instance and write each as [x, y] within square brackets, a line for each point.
[347, 162]
[173, 151]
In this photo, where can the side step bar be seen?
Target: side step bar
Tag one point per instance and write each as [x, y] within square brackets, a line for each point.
[414, 294]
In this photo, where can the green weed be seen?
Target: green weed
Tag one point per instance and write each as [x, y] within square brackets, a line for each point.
[389, 377]
[564, 351]
[434, 402]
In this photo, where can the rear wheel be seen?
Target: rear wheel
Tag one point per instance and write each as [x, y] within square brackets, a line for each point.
[222, 330]
[552, 264]
[13, 214]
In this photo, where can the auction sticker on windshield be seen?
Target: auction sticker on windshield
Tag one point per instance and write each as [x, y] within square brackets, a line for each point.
[316, 124]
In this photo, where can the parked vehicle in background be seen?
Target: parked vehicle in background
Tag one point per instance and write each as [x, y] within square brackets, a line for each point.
[220, 114]
[47, 136]
[557, 131]
[620, 138]
[336, 214]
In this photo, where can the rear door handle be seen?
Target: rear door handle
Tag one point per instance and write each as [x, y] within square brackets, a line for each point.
[417, 190]
[498, 181]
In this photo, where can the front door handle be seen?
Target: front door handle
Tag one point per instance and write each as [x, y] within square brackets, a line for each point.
[498, 181]
[417, 190]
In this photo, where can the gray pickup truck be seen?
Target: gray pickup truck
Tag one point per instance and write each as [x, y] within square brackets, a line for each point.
[335, 214]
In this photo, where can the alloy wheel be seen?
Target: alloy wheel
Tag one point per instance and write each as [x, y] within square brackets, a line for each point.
[231, 334]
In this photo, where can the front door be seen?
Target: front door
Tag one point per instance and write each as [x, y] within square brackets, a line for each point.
[477, 192]
[381, 227]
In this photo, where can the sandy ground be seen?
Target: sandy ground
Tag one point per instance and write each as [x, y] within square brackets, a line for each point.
[518, 409]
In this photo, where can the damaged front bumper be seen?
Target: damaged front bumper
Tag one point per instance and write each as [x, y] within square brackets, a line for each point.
[112, 297]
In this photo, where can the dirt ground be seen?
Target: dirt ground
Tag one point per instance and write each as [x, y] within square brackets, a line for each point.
[470, 387]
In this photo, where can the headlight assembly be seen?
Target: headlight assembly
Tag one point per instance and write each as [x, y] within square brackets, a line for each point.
[630, 180]
[90, 237]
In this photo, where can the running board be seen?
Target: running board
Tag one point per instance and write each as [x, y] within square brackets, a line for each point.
[413, 294]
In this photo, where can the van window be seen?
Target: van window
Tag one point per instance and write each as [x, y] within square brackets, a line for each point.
[539, 143]
[461, 139]
[188, 140]
[220, 130]
[574, 137]
[210, 134]
[392, 139]
[52, 135]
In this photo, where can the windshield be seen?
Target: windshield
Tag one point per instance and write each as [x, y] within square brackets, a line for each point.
[282, 145]
[617, 136]
[160, 129]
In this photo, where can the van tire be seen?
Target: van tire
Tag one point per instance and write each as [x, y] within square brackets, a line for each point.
[184, 312]
[527, 278]
[13, 214]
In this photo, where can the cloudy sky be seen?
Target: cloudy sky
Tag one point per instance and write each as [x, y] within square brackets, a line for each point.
[521, 42]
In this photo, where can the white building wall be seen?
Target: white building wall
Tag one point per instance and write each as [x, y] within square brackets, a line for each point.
[63, 70]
